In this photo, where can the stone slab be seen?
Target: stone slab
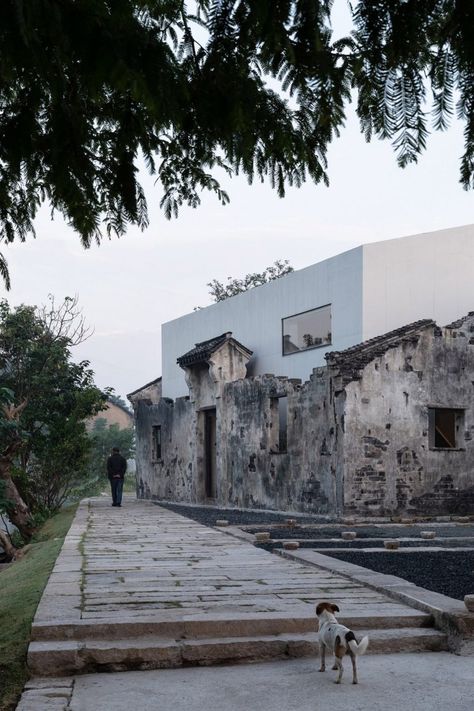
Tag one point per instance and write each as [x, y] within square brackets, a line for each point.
[151, 571]
[449, 614]
[430, 681]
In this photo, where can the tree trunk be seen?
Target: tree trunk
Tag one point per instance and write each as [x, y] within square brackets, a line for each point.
[18, 513]
[7, 546]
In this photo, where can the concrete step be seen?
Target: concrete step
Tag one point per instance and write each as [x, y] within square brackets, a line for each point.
[62, 657]
[237, 625]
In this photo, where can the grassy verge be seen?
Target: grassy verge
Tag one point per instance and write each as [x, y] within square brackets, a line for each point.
[21, 586]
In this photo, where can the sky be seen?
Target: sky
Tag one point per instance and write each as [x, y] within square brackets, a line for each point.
[128, 287]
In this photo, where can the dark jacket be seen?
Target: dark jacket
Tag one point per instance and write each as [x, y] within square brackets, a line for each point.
[116, 466]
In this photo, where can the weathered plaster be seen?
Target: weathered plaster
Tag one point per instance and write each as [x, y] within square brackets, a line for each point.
[357, 431]
[389, 465]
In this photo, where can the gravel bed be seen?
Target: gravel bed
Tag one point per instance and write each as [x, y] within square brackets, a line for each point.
[375, 543]
[448, 572]
[208, 515]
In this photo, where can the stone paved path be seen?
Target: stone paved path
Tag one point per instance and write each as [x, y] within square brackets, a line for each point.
[143, 587]
[142, 560]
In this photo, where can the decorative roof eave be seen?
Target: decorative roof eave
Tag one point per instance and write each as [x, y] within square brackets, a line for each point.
[351, 362]
[203, 351]
[459, 323]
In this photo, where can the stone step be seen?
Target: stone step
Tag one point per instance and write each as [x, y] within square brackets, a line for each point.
[224, 626]
[63, 657]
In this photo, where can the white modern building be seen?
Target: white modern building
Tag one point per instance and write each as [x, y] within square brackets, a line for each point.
[292, 322]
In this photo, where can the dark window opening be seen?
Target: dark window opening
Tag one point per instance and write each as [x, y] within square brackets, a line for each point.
[156, 442]
[279, 412]
[445, 428]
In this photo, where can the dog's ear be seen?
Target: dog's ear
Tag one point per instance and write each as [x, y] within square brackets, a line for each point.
[319, 608]
[335, 608]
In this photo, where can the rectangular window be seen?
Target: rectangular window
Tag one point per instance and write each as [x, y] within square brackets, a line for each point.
[445, 427]
[311, 329]
[156, 442]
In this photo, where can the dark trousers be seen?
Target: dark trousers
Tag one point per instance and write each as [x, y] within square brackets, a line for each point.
[116, 485]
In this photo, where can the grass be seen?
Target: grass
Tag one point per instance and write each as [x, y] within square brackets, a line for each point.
[22, 585]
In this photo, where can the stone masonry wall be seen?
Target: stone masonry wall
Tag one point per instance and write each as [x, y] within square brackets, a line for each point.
[358, 439]
[253, 473]
[390, 464]
[172, 476]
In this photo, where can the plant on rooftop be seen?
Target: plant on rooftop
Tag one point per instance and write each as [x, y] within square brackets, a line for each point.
[220, 291]
[86, 89]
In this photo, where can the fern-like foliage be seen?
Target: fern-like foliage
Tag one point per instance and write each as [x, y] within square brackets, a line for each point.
[258, 87]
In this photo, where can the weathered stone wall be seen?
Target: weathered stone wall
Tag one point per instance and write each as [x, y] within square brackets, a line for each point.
[152, 392]
[170, 477]
[253, 472]
[357, 433]
[390, 465]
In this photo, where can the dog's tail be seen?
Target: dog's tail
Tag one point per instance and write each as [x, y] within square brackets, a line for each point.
[359, 648]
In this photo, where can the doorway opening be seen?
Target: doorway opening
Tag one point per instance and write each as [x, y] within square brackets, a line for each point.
[210, 458]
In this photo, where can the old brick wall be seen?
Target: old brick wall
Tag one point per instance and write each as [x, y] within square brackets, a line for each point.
[389, 463]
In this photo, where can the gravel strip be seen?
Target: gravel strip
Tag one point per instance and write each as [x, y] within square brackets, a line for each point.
[447, 572]
[208, 515]
[374, 543]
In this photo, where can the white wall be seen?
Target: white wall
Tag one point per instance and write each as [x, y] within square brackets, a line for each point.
[255, 320]
[429, 275]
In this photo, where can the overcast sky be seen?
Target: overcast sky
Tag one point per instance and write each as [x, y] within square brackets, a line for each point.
[129, 287]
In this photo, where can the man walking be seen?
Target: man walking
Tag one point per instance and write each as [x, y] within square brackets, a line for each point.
[116, 468]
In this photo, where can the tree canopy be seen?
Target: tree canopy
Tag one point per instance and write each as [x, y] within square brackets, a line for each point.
[45, 399]
[87, 87]
[221, 291]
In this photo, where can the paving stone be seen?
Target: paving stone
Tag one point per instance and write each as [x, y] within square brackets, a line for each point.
[153, 569]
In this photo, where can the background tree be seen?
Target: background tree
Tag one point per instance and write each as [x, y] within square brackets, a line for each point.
[5, 540]
[220, 291]
[12, 436]
[46, 399]
[85, 89]
[103, 437]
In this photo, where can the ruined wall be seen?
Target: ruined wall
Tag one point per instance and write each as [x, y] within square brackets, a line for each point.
[358, 435]
[253, 472]
[172, 475]
[390, 464]
[152, 392]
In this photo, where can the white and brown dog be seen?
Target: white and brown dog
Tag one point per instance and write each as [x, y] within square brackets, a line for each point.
[337, 639]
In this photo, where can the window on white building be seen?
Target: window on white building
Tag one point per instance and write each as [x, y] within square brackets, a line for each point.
[310, 329]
